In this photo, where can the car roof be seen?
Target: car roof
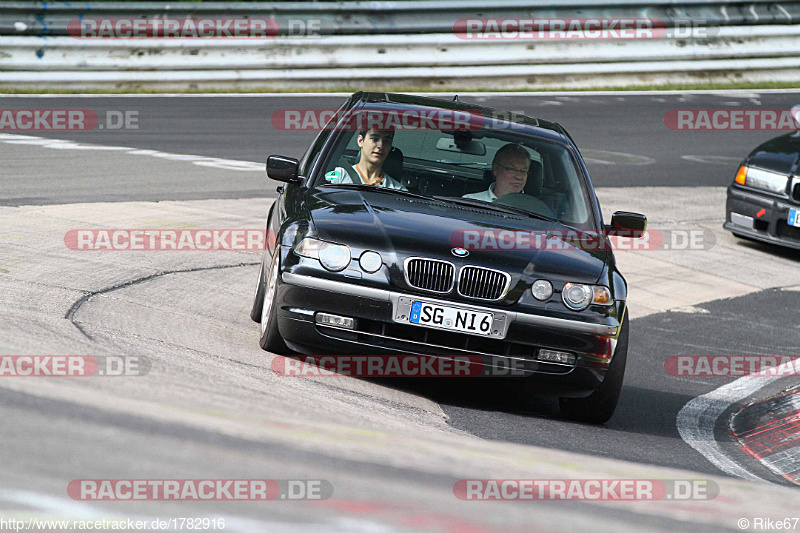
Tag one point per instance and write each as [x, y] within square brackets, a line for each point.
[534, 126]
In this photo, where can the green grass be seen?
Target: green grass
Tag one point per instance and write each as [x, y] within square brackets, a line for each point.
[398, 88]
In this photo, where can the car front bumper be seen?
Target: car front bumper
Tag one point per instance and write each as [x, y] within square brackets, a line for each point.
[380, 330]
[761, 217]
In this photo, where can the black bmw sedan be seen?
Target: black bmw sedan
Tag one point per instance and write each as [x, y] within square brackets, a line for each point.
[419, 227]
[764, 198]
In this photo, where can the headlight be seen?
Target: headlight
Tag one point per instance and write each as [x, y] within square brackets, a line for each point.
[334, 257]
[578, 296]
[542, 289]
[762, 179]
[308, 247]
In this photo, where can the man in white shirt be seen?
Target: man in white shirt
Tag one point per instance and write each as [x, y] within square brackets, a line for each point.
[375, 147]
[510, 169]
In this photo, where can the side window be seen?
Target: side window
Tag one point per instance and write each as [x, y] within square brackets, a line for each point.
[312, 154]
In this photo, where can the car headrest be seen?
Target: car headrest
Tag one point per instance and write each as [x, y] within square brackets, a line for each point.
[394, 164]
[488, 178]
[533, 186]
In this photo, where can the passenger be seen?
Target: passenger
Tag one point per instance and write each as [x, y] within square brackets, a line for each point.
[375, 147]
[510, 170]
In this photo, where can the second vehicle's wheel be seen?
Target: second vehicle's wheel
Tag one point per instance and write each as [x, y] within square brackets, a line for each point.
[270, 336]
[258, 298]
[598, 408]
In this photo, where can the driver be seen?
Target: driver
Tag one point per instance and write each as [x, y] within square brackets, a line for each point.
[375, 146]
[510, 169]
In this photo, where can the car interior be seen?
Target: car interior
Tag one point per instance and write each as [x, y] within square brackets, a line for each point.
[452, 164]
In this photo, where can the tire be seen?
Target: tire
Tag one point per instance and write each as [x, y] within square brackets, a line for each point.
[258, 298]
[599, 407]
[271, 340]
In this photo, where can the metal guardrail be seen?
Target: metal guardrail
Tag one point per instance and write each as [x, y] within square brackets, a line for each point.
[396, 43]
[431, 16]
[379, 52]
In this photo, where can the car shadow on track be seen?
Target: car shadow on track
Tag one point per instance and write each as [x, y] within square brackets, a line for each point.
[769, 248]
[640, 411]
[646, 411]
[485, 394]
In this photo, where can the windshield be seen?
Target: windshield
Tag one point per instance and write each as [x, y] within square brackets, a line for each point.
[498, 166]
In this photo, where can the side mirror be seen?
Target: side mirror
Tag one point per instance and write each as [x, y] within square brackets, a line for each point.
[625, 224]
[282, 168]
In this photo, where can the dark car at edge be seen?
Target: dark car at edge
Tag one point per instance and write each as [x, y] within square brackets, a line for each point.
[764, 199]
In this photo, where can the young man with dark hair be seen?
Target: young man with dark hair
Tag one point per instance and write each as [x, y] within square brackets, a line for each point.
[375, 146]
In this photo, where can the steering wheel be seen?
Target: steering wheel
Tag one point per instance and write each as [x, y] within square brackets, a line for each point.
[526, 202]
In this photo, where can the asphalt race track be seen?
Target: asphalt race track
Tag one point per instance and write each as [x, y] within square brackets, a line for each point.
[211, 407]
[623, 137]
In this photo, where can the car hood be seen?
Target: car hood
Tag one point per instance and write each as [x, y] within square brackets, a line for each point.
[778, 155]
[399, 227]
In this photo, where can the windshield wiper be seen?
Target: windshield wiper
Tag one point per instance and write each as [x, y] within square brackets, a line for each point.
[374, 188]
[450, 199]
[463, 164]
[497, 207]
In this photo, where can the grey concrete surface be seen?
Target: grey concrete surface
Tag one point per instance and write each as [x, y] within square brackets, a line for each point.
[212, 408]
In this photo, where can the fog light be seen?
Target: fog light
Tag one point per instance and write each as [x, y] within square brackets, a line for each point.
[336, 321]
[542, 289]
[334, 257]
[370, 261]
[551, 356]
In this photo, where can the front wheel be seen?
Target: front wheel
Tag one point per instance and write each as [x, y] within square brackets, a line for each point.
[271, 339]
[258, 298]
[600, 405]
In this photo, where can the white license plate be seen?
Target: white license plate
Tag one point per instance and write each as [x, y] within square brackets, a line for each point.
[794, 220]
[451, 318]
